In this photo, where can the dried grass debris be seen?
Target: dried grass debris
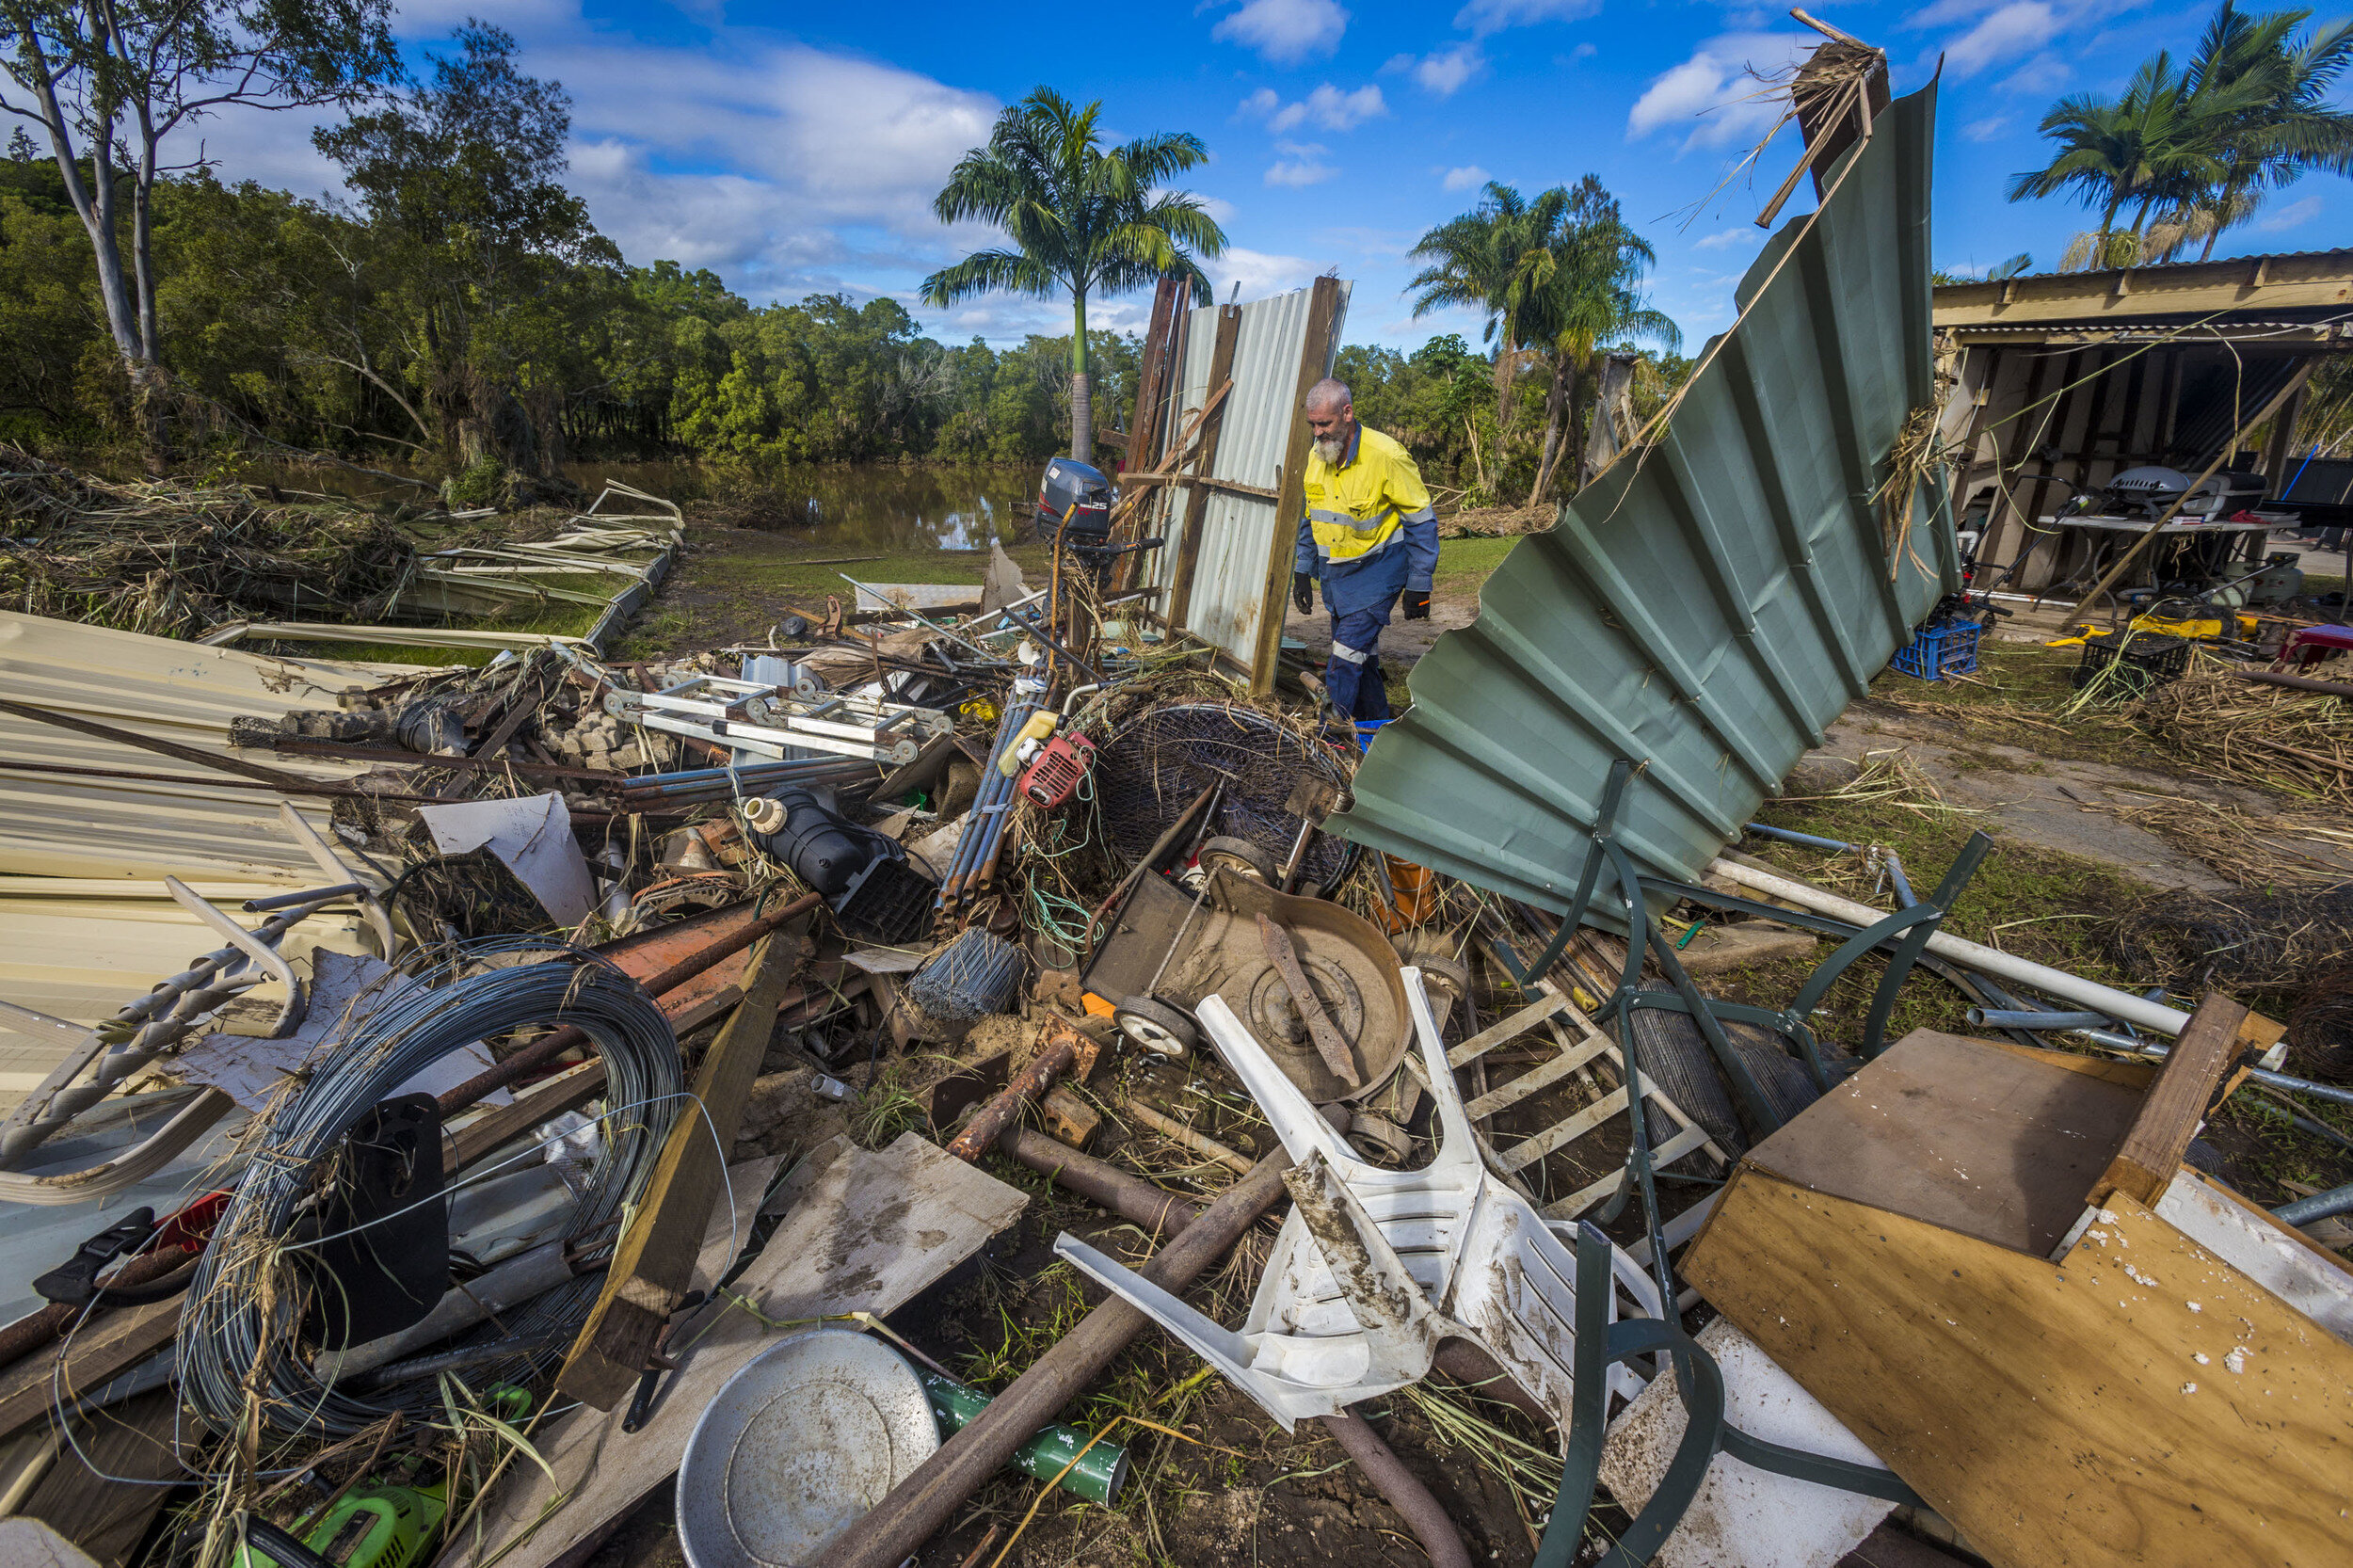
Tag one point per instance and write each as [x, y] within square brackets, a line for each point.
[172, 558]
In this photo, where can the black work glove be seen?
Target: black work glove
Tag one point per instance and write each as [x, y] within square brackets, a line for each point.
[1416, 606]
[1303, 591]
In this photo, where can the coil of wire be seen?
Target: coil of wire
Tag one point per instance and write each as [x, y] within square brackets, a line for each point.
[239, 1332]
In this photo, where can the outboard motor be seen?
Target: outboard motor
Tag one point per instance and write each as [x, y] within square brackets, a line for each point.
[1074, 500]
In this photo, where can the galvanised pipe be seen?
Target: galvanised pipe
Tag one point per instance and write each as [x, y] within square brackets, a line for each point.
[2320, 1206]
[2003, 1017]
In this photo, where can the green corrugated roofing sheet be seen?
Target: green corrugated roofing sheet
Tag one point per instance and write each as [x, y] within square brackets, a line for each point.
[1711, 609]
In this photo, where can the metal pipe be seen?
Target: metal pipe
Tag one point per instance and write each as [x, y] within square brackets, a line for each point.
[2122, 1005]
[2126, 1043]
[1126, 1194]
[2320, 1206]
[1431, 1523]
[2294, 682]
[549, 1048]
[1790, 836]
[2004, 1017]
[918, 1507]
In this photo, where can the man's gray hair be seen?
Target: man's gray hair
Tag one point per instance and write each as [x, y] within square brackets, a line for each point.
[1328, 394]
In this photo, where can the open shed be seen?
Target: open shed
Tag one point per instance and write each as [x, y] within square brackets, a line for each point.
[2061, 382]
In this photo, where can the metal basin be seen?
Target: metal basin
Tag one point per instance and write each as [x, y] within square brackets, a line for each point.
[796, 1448]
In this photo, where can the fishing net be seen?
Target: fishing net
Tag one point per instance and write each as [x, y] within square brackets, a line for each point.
[2244, 941]
[1156, 765]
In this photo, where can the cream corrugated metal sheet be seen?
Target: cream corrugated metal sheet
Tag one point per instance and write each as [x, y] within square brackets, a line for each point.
[84, 922]
[1238, 531]
[196, 825]
[1711, 609]
[79, 948]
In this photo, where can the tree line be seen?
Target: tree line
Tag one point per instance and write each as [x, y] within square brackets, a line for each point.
[460, 311]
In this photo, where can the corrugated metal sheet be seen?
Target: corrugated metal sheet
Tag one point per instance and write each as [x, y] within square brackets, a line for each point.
[1238, 531]
[196, 825]
[1709, 610]
[79, 948]
[84, 922]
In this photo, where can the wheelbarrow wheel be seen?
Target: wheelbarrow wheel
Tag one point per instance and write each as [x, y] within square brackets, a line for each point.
[1156, 1027]
[1226, 852]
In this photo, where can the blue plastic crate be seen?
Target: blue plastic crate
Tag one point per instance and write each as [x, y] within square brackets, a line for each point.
[1941, 650]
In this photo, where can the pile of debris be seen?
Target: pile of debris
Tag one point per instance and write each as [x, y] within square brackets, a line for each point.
[521, 1085]
[175, 559]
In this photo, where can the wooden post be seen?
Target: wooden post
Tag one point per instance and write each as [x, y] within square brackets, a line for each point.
[1314, 363]
[655, 1260]
[1197, 498]
[1147, 426]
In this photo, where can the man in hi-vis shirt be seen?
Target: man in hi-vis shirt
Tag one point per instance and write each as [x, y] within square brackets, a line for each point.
[1369, 534]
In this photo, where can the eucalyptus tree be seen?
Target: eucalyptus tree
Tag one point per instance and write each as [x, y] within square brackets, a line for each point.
[1082, 220]
[109, 83]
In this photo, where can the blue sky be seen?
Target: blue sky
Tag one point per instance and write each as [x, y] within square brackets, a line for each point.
[796, 148]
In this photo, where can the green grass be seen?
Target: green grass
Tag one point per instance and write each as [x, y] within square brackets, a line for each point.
[2037, 903]
[1463, 565]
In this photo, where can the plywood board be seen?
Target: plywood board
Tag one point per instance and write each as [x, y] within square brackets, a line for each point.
[861, 1231]
[2055, 1413]
[1963, 1133]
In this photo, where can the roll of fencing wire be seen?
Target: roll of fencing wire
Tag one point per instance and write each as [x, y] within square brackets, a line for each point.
[239, 1342]
[974, 974]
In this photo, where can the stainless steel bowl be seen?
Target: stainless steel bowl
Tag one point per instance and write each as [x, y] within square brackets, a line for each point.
[797, 1447]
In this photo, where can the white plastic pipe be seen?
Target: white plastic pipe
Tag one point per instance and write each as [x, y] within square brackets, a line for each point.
[2137, 1011]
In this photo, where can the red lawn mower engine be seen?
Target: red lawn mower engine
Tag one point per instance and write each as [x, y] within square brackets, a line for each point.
[1059, 770]
[1074, 503]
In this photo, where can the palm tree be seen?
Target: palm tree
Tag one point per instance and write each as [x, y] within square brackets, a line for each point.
[1081, 218]
[2160, 144]
[2278, 125]
[1577, 281]
[1476, 261]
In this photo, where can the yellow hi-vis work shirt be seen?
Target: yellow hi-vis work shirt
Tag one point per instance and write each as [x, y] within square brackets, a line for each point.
[1362, 516]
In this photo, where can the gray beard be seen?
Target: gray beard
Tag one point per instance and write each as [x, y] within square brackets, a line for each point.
[1332, 450]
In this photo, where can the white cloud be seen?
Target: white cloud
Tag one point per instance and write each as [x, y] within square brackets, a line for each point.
[1465, 177]
[1585, 51]
[1492, 16]
[1741, 238]
[1713, 92]
[1260, 273]
[1329, 107]
[2294, 215]
[2015, 30]
[1445, 72]
[1986, 129]
[2041, 76]
[1301, 164]
[1285, 31]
